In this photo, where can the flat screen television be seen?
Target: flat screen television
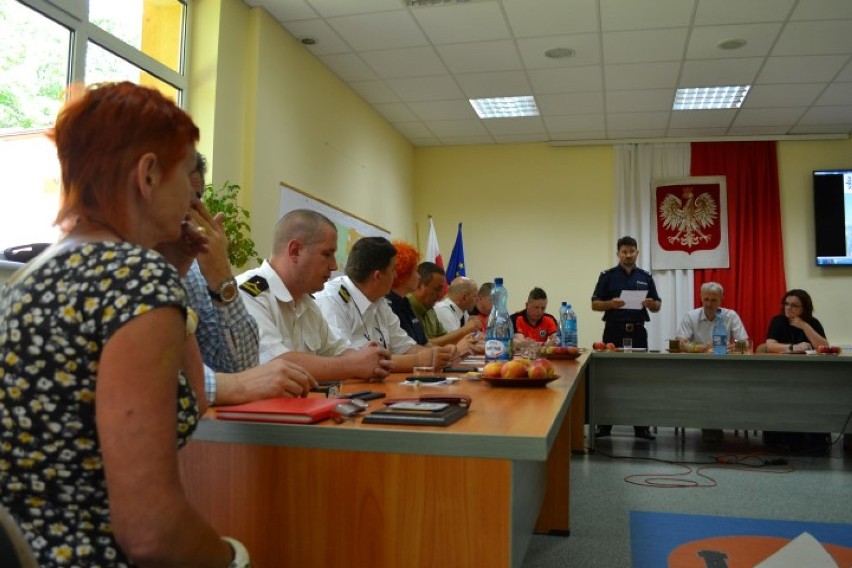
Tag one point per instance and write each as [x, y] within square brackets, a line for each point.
[833, 217]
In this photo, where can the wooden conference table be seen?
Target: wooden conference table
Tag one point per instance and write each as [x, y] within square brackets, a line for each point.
[802, 393]
[354, 494]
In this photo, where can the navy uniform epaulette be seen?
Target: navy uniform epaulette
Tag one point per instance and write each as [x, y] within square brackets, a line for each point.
[255, 285]
[344, 293]
[642, 271]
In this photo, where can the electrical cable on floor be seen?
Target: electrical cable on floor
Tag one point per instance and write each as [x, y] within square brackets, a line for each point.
[749, 463]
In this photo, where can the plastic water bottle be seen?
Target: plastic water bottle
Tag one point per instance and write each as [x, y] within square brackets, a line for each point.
[498, 331]
[563, 309]
[568, 325]
[720, 335]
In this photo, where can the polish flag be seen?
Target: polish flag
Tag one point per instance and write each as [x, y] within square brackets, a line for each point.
[433, 253]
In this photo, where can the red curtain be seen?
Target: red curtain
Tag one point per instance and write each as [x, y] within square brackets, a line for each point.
[755, 282]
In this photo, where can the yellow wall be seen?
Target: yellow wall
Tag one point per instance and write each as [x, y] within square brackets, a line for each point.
[271, 112]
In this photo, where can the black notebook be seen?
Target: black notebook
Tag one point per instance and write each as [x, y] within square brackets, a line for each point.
[449, 414]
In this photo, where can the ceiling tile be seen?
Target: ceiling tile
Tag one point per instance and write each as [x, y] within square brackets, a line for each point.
[395, 112]
[645, 45]
[520, 138]
[328, 41]
[827, 115]
[410, 62]
[702, 118]
[331, 8]
[642, 75]
[703, 41]
[349, 67]
[413, 129]
[437, 88]
[822, 129]
[586, 47]
[578, 135]
[715, 12]
[838, 94]
[382, 30]
[467, 140]
[822, 10]
[579, 122]
[462, 23]
[636, 133]
[640, 100]
[533, 18]
[696, 132]
[480, 56]
[768, 116]
[566, 80]
[571, 103]
[286, 10]
[712, 72]
[775, 96]
[522, 125]
[636, 120]
[500, 84]
[807, 69]
[627, 15]
[443, 110]
[815, 38]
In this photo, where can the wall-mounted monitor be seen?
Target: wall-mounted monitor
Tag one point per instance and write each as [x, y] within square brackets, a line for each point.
[833, 217]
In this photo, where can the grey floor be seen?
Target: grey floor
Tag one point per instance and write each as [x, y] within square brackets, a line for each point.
[812, 488]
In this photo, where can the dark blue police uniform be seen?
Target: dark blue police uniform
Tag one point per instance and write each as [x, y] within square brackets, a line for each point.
[407, 319]
[619, 324]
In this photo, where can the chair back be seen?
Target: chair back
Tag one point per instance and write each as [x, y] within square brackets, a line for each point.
[15, 551]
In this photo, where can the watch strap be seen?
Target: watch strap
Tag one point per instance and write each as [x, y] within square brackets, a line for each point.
[217, 294]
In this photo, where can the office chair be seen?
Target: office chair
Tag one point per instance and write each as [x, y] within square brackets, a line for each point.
[14, 549]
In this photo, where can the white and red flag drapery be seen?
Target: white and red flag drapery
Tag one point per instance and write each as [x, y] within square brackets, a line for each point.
[433, 252]
[690, 227]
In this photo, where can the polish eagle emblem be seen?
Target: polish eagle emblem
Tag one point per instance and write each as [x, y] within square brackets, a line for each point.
[688, 216]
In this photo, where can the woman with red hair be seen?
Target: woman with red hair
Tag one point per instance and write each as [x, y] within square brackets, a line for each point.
[407, 259]
[99, 369]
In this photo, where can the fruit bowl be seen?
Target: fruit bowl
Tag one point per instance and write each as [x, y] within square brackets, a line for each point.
[518, 383]
[563, 353]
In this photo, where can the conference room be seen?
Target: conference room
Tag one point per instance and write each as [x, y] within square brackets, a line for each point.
[360, 120]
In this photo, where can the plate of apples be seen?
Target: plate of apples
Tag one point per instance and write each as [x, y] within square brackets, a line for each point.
[519, 373]
[829, 350]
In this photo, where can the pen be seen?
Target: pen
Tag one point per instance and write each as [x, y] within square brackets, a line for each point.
[355, 394]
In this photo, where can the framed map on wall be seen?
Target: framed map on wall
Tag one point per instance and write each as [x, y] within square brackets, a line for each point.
[350, 227]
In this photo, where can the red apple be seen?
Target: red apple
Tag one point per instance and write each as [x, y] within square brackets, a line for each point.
[836, 349]
[572, 351]
[823, 349]
[611, 347]
[514, 369]
[492, 369]
[541, 369]
[598, 345]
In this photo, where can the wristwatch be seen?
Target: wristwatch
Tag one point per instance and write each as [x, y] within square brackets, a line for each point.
[241, 555]
[226, 293]
[791, 348]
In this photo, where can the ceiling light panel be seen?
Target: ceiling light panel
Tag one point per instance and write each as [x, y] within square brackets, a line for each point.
[505, 107]
[705, 98]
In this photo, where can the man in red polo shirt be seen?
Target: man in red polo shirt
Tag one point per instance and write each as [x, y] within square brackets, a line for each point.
[533, 322]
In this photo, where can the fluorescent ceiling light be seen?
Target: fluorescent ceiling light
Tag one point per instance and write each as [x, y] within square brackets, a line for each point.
[702, 98]
[505, 107]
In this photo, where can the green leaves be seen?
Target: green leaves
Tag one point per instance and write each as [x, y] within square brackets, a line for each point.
[241, 247]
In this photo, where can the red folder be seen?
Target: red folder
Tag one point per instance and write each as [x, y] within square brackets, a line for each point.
[287, 410]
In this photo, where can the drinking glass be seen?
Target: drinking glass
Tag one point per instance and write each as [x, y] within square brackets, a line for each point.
[628, 344]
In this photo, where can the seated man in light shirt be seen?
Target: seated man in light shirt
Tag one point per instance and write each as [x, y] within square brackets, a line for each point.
[697, 325]
[355, 308]
[452, 311]
[227, 335]
[278, 296]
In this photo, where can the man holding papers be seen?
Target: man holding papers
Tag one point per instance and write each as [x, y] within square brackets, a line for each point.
[625, 293]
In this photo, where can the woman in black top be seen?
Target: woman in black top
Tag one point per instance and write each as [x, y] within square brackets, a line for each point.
[795, 329]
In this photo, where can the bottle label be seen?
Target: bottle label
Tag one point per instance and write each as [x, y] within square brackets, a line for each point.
[496, 350]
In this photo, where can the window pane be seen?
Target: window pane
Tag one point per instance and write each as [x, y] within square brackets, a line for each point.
[102, 66]
[34, 54]
[154, 27]
[33, 67]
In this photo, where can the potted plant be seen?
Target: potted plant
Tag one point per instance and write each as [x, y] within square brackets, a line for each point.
[241, 247]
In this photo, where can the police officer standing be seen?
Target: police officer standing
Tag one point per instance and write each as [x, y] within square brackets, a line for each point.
[622, 323]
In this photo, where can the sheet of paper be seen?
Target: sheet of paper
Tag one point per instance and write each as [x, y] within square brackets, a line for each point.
[804, 550]
[633, 299]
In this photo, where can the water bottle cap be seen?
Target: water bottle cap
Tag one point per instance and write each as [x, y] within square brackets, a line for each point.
[565, 304]
[498, 281]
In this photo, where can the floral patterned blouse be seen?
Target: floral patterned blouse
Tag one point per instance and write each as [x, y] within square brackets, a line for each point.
[54, 323]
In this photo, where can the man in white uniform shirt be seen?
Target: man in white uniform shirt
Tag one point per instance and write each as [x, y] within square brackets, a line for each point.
[278, 296]
[461, 297]
[355, 308]
[697, 326]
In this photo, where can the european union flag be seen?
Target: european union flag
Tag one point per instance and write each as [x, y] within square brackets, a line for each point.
[456, 265]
